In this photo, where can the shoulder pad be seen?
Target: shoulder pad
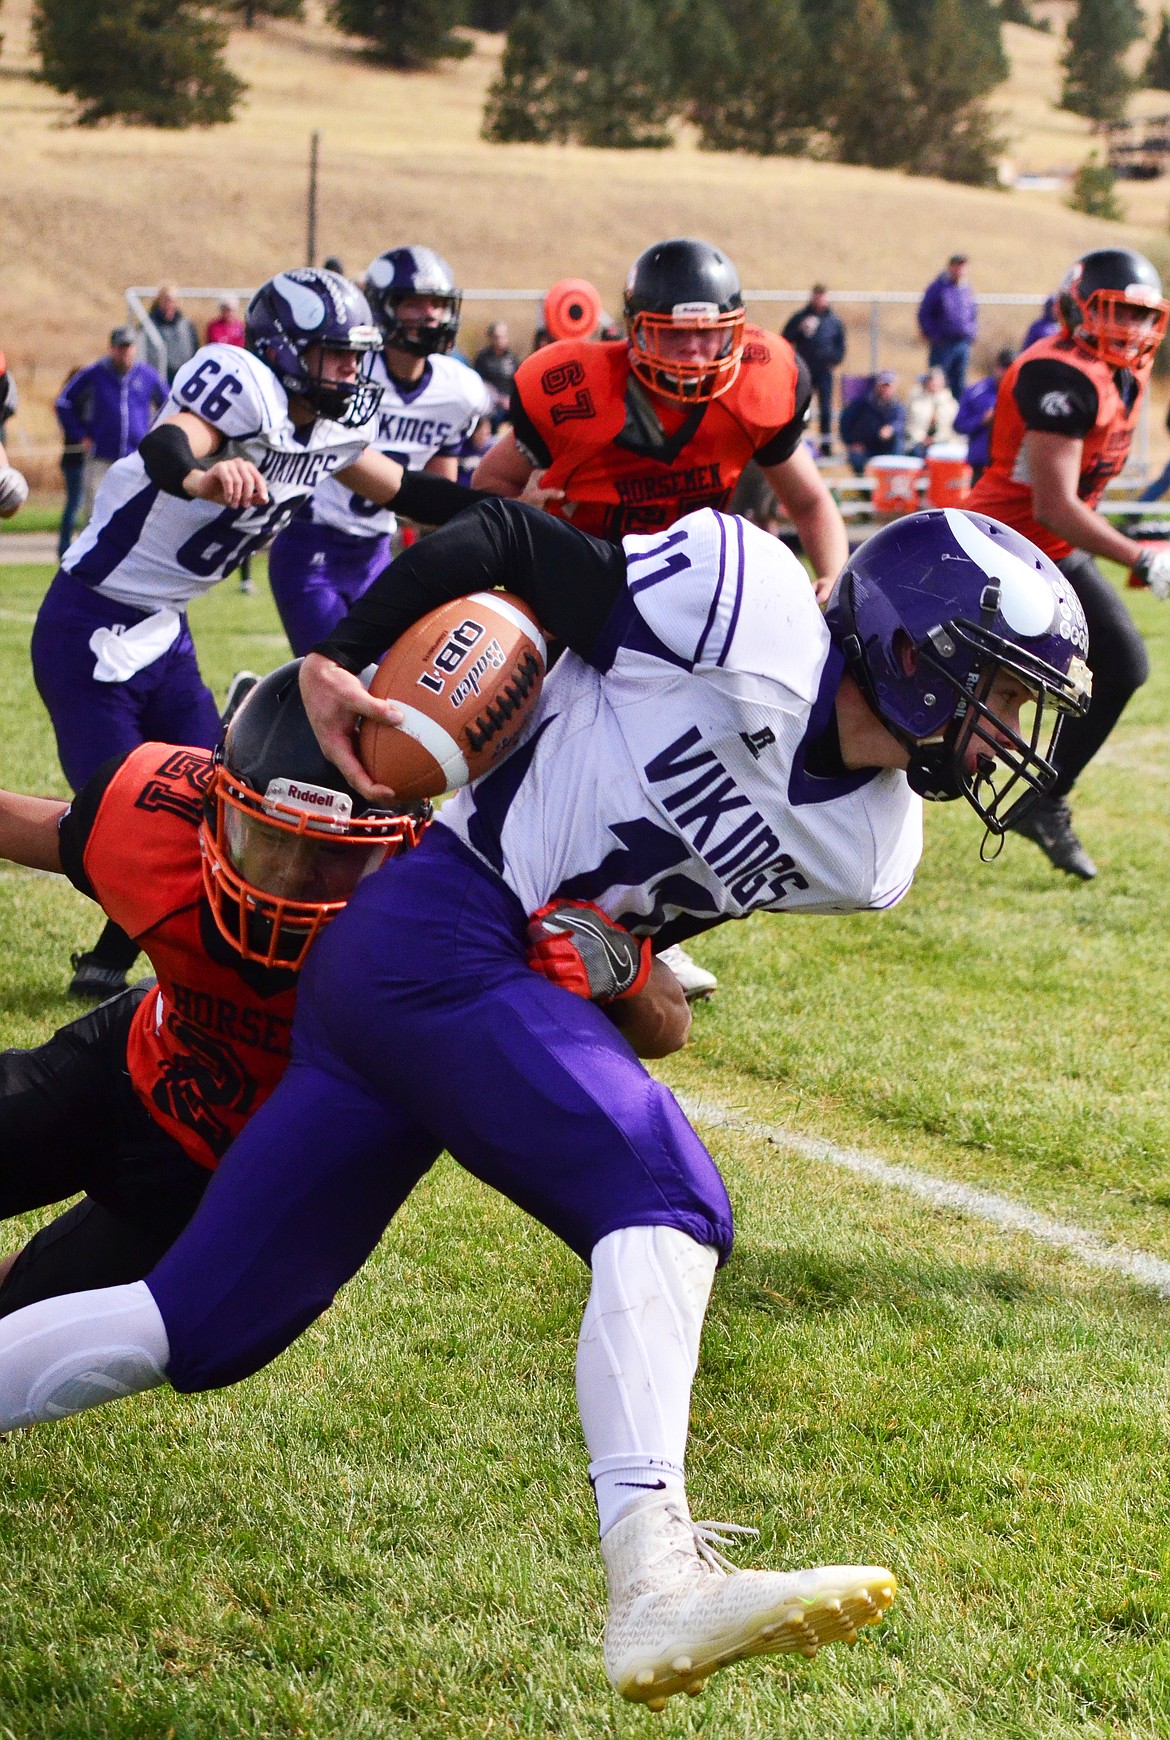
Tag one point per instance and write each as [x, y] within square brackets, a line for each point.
[232, 390]
[574, 386]
[764, 392]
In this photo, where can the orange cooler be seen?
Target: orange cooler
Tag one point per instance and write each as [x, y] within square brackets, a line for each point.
[948, 476]
[895, 483]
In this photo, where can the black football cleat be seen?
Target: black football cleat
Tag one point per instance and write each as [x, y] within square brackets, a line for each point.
[92, 981]
[1048, 824]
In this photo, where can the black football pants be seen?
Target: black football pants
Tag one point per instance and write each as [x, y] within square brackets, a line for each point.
[71, 1122]
[1117, 659]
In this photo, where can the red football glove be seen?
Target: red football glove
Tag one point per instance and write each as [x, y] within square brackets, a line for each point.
[574, 943]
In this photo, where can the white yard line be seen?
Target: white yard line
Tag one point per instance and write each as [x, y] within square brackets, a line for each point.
[1001, 1211]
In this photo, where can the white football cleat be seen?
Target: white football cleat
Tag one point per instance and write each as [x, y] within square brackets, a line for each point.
[695, 980]
[678, 1610]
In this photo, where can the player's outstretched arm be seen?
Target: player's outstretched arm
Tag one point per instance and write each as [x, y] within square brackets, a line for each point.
[29, 830]
[577, 946]
[504, 469]
[1054, 465]
[803, 493]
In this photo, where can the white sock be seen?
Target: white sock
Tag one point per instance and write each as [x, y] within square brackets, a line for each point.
[636, 1359]
[77, 1351]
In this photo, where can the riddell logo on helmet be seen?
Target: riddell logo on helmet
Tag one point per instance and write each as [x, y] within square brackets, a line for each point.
[293, 794]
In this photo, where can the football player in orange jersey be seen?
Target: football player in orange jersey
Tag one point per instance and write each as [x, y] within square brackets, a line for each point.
[223, 867]
[638, 432]
[1064, 419]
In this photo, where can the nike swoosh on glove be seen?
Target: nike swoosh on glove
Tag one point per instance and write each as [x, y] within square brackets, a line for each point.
[575, 944]
[1153, 570]
[13, 490]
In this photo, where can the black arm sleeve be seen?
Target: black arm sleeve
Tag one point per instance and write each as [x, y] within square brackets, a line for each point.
[76, 825]
[572, 581]
[1056, 398]
[167, 456]
[528, 436]
[432, 501]
[783, 444]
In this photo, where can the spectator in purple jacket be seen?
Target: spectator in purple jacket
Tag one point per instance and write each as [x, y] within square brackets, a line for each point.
[976, 414]
[109, 406]
[948, 320]
[1044, 327]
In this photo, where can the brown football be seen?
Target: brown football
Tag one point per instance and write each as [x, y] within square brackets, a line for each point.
[467, 677]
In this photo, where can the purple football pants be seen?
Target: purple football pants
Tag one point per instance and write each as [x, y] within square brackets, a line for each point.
[316, 573]
[420, 1027]
[167, 702]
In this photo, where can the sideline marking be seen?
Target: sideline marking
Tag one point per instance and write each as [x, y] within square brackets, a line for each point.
[1098, 1253]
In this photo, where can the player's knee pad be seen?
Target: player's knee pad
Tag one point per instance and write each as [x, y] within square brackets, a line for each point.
[78, 1350]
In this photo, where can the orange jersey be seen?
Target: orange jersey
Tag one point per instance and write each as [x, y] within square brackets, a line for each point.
[1058, 387]
[211, 1045]
[629, 462]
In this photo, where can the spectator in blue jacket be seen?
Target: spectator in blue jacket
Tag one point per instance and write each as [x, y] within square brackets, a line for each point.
[873, 423]
[976, 414]
[818, 338]
[109, 406]
[948, 320]
[1044, 326]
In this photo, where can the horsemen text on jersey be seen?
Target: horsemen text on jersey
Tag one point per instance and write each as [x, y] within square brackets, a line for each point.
[630, 462]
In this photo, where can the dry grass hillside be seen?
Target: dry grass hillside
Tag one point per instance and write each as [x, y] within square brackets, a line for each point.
[85, 213]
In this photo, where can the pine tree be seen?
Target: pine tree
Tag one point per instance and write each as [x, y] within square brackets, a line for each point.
[1092, 190]
[956, 64]
[869, 98]
[493, 14]
[1096, 81]
[598, 73]
[409, 34]
[1156, 72]
[530, 98]
[250, 10]
[156, 62]
[750, 77]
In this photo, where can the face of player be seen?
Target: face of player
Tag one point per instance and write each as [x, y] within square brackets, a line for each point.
[692, 344]
[1008, 700]
[333, 365]
[300, 867]
[415, 312]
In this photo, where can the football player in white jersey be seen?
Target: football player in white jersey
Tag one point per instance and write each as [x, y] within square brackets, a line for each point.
[243, 440]
[13, 483]
[709, 746]
[337, 543]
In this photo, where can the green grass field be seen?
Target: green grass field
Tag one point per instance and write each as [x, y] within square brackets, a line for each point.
[390, 1531]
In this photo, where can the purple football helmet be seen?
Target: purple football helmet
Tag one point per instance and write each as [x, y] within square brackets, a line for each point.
[298, 310]
[929, 613]
[403, 272]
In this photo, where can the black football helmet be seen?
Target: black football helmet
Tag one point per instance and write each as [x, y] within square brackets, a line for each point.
[403, 272]
[300, 315]
[678, 288]
[1111, 303]
[285, 840]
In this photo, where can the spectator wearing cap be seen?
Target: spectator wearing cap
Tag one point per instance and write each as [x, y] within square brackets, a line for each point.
[818, 338]
[976, 414]
[109, 406]
[179, 339]
[227, 327]
[874, 423]
[496, 363]
[949, 320]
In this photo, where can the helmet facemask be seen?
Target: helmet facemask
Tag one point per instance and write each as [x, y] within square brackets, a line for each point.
[1013, 762]
[1122, 327]
[691, 381]
[278, 867]
[425, 336]
[347, 402]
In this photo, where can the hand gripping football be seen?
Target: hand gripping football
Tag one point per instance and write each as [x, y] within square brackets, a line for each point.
[467, 677]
